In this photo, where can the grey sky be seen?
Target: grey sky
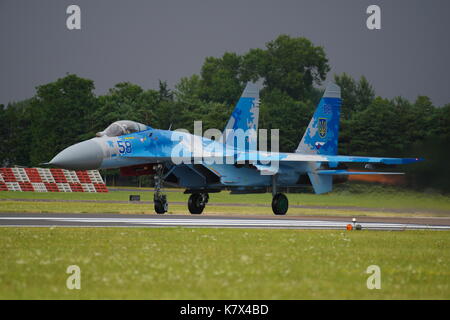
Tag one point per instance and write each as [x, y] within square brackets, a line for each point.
[143, 41]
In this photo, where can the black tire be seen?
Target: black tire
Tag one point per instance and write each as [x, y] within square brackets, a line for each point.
[195, 204]
[161, 206]
[280, 204]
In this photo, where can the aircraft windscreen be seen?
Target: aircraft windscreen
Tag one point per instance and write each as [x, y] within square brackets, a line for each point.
[120, 128]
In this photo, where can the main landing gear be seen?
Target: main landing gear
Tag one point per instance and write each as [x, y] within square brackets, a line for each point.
[159, 199]
[197, 202]
[280, 203]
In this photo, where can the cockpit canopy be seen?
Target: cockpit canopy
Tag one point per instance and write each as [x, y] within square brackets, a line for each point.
[122, 127]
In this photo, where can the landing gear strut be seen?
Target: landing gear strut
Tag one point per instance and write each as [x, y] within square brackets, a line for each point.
[197, 202]
[159, 199]
[280, 203]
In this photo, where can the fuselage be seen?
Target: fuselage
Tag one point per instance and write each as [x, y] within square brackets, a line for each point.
[186, 156]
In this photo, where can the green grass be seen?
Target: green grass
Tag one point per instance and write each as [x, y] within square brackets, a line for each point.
[384, 198]
[184, 263]
[64, 207]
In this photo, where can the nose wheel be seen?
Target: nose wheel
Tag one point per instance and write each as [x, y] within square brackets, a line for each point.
[159, 199]
[197, 202]
[161, 204]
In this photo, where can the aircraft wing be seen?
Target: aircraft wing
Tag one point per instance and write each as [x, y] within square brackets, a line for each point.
[297, 157]
[349, 173]
[266, 157]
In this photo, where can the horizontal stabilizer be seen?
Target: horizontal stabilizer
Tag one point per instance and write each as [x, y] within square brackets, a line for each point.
[321, 183]
[345, 172]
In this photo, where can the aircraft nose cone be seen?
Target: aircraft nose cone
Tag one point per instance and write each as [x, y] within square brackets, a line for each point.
[86, 155]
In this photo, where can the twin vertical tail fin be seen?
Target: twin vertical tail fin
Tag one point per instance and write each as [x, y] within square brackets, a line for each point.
[321, 136]
[244, 117]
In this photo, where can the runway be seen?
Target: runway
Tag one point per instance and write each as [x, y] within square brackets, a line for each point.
[287, 222]
[219, 204]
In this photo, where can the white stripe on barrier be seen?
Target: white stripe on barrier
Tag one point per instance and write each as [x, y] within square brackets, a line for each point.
[20, 174]
[39, 187]
[13, 186]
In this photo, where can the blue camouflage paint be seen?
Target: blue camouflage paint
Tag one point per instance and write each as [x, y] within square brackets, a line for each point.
[321, 136]
[244, 117]
[319, 145]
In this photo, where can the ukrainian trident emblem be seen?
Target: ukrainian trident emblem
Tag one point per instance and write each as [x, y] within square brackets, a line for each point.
[322, 127]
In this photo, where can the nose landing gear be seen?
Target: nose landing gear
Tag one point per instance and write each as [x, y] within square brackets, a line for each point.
[159, 199]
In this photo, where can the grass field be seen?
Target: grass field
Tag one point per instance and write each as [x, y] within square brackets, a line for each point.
[194, 263]
[384, 198]
[183, 263]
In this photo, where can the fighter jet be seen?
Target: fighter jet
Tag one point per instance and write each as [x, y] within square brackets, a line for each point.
[203, 165]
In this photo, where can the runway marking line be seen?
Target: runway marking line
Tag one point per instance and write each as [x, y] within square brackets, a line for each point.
[208, 222]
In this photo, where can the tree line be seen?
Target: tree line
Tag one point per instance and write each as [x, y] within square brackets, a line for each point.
[67, 110]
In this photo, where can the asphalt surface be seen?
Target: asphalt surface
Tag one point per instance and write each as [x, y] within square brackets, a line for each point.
[287, 222]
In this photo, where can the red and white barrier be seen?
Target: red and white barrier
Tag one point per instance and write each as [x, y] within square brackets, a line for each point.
[50, 180]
